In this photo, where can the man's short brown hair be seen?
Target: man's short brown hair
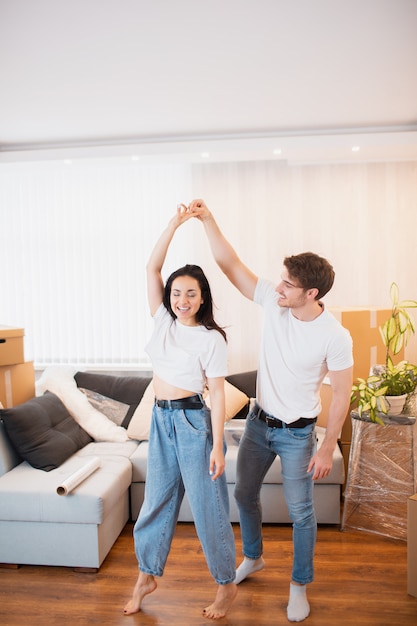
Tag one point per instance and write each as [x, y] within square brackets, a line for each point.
[311, 272]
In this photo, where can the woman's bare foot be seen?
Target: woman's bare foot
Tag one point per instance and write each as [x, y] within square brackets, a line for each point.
[222, 602]
[145, 584]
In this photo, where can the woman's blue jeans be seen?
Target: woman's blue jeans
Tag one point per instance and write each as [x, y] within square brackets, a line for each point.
[180, 444]
[257, 450]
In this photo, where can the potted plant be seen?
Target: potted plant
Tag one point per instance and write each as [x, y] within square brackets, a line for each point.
[399, 379]
[370, 398]
[389, 381]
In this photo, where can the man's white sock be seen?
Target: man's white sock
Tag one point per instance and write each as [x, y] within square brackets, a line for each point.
[248, 566]
[298, 607]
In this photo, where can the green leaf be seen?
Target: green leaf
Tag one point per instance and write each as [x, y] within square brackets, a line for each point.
[383, 333]
[394, 293]
[397, 344]
[383, 405]
[391, 328]
[407, 304]
[403, 321]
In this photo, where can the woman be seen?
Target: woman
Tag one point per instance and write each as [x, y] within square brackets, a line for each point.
[186, 444]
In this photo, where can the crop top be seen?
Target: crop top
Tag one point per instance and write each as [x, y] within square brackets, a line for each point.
[185, 356]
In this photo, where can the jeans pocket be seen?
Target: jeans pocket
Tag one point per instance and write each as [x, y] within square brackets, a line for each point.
[301, 433]
[197, 420]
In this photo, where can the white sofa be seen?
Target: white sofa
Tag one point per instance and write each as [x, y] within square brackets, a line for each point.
[38, 526]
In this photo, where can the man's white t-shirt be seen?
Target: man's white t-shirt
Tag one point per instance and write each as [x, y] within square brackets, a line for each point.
[295, 356]
[185, 356]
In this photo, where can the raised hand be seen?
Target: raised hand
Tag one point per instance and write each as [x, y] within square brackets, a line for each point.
[199, 209]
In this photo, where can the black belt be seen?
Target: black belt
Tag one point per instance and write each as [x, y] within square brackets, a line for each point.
[274, 422]
[193, 402]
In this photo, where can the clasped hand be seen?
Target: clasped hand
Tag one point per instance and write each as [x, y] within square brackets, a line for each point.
[196, 208]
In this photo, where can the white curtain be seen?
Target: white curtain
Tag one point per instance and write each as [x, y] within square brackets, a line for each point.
[74, 239]
[361, 216]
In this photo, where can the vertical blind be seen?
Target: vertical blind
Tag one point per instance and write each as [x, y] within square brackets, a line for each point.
[74, 240]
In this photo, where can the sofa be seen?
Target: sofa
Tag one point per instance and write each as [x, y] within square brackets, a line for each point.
[73, 466]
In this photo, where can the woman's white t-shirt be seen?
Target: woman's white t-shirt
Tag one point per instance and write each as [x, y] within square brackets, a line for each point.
[185, 356]
[295, 357]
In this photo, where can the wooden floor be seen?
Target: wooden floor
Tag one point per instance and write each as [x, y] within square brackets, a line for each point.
[360, 580]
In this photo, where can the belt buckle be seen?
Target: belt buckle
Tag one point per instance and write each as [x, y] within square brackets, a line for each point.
[271, 422]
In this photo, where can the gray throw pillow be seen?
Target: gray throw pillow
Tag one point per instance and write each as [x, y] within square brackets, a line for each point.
[43, 432]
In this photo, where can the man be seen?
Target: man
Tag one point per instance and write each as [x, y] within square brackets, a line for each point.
[301, 344]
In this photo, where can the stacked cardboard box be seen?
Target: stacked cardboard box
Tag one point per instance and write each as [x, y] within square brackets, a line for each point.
[368, 350]
[17, 376]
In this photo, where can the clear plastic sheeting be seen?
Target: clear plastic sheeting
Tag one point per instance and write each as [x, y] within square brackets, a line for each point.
[382, 474]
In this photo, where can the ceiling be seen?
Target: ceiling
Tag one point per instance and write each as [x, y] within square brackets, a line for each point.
[298, 80]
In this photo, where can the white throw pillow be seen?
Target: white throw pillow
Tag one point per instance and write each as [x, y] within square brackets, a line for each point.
[140, 424]
[59, 379]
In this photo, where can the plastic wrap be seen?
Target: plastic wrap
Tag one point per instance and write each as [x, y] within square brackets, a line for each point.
[78, 477]
[382, 474]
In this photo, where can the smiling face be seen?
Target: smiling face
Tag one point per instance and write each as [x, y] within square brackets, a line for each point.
[290, 294]
[186, 299]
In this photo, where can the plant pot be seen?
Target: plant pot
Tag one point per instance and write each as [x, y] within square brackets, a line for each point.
[396, 403]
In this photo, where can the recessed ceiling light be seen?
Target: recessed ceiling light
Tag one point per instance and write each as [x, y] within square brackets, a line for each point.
[205, 155]
[277, 151]
[135, 157]
[356, 148]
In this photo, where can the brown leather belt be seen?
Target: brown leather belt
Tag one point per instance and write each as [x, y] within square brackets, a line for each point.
[274, 422]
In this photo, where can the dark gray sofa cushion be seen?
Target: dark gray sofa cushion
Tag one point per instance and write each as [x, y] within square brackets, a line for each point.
[246, 382]
[43, 432]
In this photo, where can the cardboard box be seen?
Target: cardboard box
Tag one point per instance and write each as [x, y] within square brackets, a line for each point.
[368, 350]
[11, 345]
[412, 545]
[363, 325]
[17, 384]
[381, 478]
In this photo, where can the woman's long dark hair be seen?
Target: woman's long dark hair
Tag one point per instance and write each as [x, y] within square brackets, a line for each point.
[204, 315]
